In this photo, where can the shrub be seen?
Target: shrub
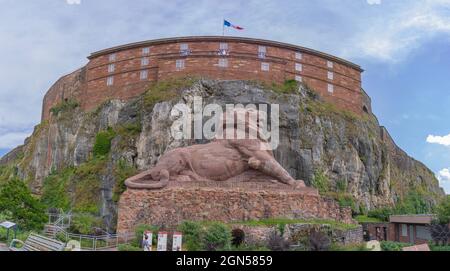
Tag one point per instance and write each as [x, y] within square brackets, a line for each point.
[55, 190]
[122, 171]
[102, 144]
[193, 233]
[64, 107]
[443, 211]
[84, 223]
[217, 237]
[320, 182]
[16, 199]
[381, 214]
[393, 246]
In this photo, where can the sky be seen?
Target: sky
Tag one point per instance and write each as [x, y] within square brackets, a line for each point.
[403, 46]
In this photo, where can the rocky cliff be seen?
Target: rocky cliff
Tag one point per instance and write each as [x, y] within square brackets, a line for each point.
[86, 155]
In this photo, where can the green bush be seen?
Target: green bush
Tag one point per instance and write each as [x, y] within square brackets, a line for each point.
[320, 182]
[439, 248]
[443, 211]
[381, 214]
[85, 223]
[64, 107]
[55, 190]
[102, 144]
[122, 171]
[217, 237]
[25, 210]
[193, 233]
[393, 246]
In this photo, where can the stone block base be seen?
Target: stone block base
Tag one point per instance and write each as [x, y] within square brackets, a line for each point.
[170, 206]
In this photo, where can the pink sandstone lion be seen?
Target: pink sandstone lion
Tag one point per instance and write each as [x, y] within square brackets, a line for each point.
[220, 160]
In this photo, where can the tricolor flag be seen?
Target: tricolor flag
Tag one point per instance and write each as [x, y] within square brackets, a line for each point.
[228, 24]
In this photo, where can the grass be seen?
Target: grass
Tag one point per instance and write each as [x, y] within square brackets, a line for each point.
[167, 90]
[367, 219]
[64, 107]
[287, 221]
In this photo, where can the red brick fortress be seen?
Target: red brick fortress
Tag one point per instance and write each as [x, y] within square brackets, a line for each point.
[126, 71]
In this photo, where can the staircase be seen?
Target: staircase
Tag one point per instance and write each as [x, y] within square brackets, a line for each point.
[57, 223]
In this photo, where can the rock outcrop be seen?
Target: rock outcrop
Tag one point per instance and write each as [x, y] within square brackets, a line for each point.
[346, 152]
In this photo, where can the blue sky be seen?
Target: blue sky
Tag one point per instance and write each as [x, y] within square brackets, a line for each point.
[403, 45]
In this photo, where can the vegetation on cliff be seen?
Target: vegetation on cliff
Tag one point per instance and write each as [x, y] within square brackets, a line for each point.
[79, 161]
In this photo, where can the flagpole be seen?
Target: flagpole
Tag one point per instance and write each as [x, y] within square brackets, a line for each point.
[223, 27]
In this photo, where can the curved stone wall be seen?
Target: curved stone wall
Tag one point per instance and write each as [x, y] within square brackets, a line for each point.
[126, 71]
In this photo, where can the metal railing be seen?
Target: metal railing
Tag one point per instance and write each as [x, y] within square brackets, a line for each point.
[60, 222]
[92, 242]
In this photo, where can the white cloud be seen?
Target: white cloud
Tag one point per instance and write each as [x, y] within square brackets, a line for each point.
[444, 179]
[73, 2]
[399, 29]
[374, 2]
[12, 140]
[441, 140]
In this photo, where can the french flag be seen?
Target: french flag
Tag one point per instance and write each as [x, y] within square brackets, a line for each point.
[228, 24]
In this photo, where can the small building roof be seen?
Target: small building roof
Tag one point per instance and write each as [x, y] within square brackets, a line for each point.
[412, 219]
[7, 224]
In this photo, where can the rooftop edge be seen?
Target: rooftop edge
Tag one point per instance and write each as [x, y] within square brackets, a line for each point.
[224, 38]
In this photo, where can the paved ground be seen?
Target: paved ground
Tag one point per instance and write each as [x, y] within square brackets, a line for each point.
[3, 247]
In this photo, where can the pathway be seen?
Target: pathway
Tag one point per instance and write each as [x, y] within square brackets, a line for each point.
[3, 247]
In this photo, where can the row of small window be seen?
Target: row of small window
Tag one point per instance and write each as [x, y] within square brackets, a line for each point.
[330, 87]
[144, 62]
[143, 76]
[145, 52]
[223, 50]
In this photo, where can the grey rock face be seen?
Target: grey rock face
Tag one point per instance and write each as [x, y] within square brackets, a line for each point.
[346, 149]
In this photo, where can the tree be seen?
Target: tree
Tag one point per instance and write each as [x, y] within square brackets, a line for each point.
[25, 210]
[443, 211]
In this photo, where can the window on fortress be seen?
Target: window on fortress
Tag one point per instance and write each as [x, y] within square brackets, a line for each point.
[298, 67]
[145, 51]
[223, 49]
[330, 64]
[145, 61]
[180, 64]
[330, 75]
[298, 78]
[144, 74]
[110, 81]
[112, 57]
[298, 55]
[330, 88]
[262, 50]
[223, 62]
[184, 46]
[111, 68]
[265, 66]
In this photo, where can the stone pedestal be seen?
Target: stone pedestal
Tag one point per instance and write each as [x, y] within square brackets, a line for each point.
[172, 205]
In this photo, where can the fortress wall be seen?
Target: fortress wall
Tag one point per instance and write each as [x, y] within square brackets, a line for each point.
[71, 86]
[170, 206]
[243, 63]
